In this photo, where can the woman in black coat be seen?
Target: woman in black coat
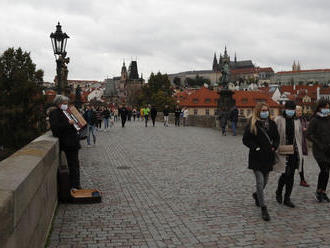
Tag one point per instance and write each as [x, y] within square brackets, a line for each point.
[319, 133]
[68, 137]
[262, 137]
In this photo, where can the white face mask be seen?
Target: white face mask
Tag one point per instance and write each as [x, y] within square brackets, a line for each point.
[64, 107]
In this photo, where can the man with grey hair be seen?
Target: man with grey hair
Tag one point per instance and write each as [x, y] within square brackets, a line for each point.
[68, 137]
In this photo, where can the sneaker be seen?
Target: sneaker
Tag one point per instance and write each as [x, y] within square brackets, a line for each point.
[88, 146]
[255, 197]
[325, 197]
[304, 183]
[288, 203]
[265, 214]
[318, 196]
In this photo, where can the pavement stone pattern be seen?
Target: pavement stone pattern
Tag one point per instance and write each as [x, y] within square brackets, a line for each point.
[185, 187]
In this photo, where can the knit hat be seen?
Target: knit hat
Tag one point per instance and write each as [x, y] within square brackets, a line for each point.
[290, 105]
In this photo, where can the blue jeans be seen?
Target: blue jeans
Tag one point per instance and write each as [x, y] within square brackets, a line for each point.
[90, 129]
[233, 126]
[106, 122]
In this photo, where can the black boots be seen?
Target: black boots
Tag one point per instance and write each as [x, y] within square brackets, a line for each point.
[264, 214]
[287, 202]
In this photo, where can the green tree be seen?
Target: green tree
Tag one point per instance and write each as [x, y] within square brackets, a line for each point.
[22, 117]
[156, 92]
[198, 81]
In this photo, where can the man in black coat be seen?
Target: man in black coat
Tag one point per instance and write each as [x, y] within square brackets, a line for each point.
[68, 137]
[123, 115]
[177, 114]
[153, 113]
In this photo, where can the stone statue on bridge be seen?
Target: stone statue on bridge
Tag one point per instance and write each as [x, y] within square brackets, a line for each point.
[225, 71]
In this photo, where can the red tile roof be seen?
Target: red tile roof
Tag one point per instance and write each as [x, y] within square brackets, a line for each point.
[244, 99]
[201, 98]
[249, 99]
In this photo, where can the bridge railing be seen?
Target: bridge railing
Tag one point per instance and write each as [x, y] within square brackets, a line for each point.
[28, 193]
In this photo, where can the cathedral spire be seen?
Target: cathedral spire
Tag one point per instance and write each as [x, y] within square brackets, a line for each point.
[215, 63]
[298, 66]
[226, 51]
[235, 58]
[294, 66]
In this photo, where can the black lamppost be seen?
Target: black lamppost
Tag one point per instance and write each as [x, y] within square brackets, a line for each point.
[59, 40]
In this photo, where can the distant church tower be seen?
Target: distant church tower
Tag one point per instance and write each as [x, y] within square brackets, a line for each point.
[215, 66]
[124, 76]
[294, 66]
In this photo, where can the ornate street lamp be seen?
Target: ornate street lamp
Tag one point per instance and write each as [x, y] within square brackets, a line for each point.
[59, 40]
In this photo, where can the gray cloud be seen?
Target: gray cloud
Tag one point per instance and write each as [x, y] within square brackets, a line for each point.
[168, 36]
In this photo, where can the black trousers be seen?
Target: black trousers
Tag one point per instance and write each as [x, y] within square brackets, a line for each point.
[177, 121]
[323, 176]
[123, 121]
[153, 118]
[287, 178]
[146, 118]
[73, 164]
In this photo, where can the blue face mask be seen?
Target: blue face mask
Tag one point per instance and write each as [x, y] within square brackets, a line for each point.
[290, 112]
[264, 114]
[325, 111]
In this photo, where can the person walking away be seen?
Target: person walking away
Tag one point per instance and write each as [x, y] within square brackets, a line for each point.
[90, 117]
[177, 114]
[290, 131]
[123, 115]
[98, 118]
[115, 114]
[319, 133]
[153, 114]
[106, 117]
[134, 113]
[166, 112]
[68, 138]
[185, 115]
[146, 112]
[262, 138]
[299, 115]
[234, 119]
[223, 121]
[141, 114]
[129, 113]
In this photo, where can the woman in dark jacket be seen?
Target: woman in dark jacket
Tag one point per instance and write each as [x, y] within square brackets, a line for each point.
[68, 138]
[319, 133]
[261, 136]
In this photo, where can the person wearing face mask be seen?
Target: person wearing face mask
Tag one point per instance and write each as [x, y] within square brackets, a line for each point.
[262, 138]
[299, 115]
[290, 131]
[68, 138]
[319, 133]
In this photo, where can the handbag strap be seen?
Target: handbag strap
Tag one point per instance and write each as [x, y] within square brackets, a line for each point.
[266, 134]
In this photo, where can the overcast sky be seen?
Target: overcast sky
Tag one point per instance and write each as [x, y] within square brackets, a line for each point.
[168, 35]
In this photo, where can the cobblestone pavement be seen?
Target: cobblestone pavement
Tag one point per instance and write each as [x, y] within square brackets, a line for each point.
[183, 187]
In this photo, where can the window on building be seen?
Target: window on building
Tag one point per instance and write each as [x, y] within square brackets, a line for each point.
[207, 112]
[248, 112]
[195, 111]
[195, 100]
[215, 111]
[207, 100]
[241, 111]
[272, 112]
[244, 100]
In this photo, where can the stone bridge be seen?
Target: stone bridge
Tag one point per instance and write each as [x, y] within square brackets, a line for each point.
[162, 187]
[183, 187]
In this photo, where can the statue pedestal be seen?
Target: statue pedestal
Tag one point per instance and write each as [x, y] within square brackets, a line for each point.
[226, 101]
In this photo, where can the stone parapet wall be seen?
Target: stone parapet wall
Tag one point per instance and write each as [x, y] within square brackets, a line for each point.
[28, 193]
[208, 121]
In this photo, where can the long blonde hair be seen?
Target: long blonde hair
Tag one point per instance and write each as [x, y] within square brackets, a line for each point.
[256, 116]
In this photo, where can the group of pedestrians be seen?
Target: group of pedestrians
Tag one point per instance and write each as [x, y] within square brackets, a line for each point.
[280, 145]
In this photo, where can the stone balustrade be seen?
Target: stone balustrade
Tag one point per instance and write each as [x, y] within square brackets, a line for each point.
[28, 193]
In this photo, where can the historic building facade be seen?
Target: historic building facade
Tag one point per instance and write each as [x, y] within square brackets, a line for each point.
[123, 89]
